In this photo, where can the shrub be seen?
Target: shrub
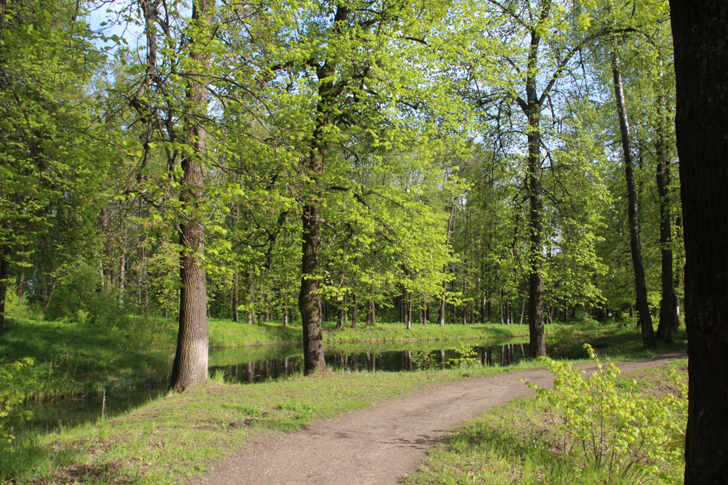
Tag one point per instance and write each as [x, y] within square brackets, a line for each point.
[633, 437]
[11, 395]
[78, 297]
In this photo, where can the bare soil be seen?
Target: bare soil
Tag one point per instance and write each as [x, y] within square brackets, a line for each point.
[380, 444]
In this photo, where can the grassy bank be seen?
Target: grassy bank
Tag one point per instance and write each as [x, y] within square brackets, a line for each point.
[224, 333]
[147, 435]
[522, 443]
[132, 364]
[178, 435]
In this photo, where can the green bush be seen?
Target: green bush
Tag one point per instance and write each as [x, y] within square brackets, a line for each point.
[615, 428]
[11, 395]
[19, 307]
[78, 297]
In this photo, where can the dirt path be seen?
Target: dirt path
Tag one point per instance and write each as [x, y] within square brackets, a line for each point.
[377, 445]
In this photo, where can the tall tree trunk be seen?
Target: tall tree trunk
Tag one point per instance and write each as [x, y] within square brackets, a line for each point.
[340, 319]
[190, 362]
[122, 273]
[354, 310]
[309, 299]
[4, 273]
[648, 334]
[409, 310]
[251, 298]
[236, 302]
[21, 283]
[700, 30]
[532, 109]
[443, 301]
[668, 303]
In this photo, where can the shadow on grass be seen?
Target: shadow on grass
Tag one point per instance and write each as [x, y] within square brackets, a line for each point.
[76, 366]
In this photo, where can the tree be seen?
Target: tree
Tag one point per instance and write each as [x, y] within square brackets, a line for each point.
[648, 333]
[51, 144]
[700, 32]
[523, 51]
[190, 361]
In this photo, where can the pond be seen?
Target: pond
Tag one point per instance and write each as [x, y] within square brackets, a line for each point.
[269, 363]
[265, 363]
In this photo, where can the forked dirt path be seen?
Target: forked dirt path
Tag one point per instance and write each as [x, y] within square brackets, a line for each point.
[380, 444]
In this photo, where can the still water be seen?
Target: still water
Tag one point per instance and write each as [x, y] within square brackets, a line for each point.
[244, 366]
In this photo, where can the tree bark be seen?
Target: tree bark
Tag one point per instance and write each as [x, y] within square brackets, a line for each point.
[537, 339]
[340, 319]
[700, 30]
[190, 362]
[648, 334]
[309, 300]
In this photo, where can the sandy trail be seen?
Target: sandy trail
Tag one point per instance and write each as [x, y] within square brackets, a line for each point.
[377, 445]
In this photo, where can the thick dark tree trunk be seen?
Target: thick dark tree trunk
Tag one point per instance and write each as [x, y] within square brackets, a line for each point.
[190, 362]
[340, 319]
[4, 274]
[668, 304]
[700, 31]
[648, 334]
[309, 300]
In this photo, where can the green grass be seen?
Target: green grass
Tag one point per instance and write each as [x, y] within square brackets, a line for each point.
[75, 361]
[224, 333]
[519, 443]
[179, 435]
[149, 437]
[616, 340]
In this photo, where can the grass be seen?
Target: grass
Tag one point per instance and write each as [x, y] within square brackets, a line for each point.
[180, 435]
[149, 434]
[519, 443]
[224, 333]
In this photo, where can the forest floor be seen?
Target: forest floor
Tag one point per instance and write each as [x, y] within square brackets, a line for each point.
[381, 444]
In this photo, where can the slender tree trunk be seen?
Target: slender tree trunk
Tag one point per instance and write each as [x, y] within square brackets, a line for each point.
[523, 310]
[409, 311]
[190, 362]
[668, 303]
[21, 284]
[648, 334]
[122, 273]
[537, 344]
[236, 303]
[354, 311]
[443, 301]
[700, 30]
[4, 274]
[251, 298]
[532, 109]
